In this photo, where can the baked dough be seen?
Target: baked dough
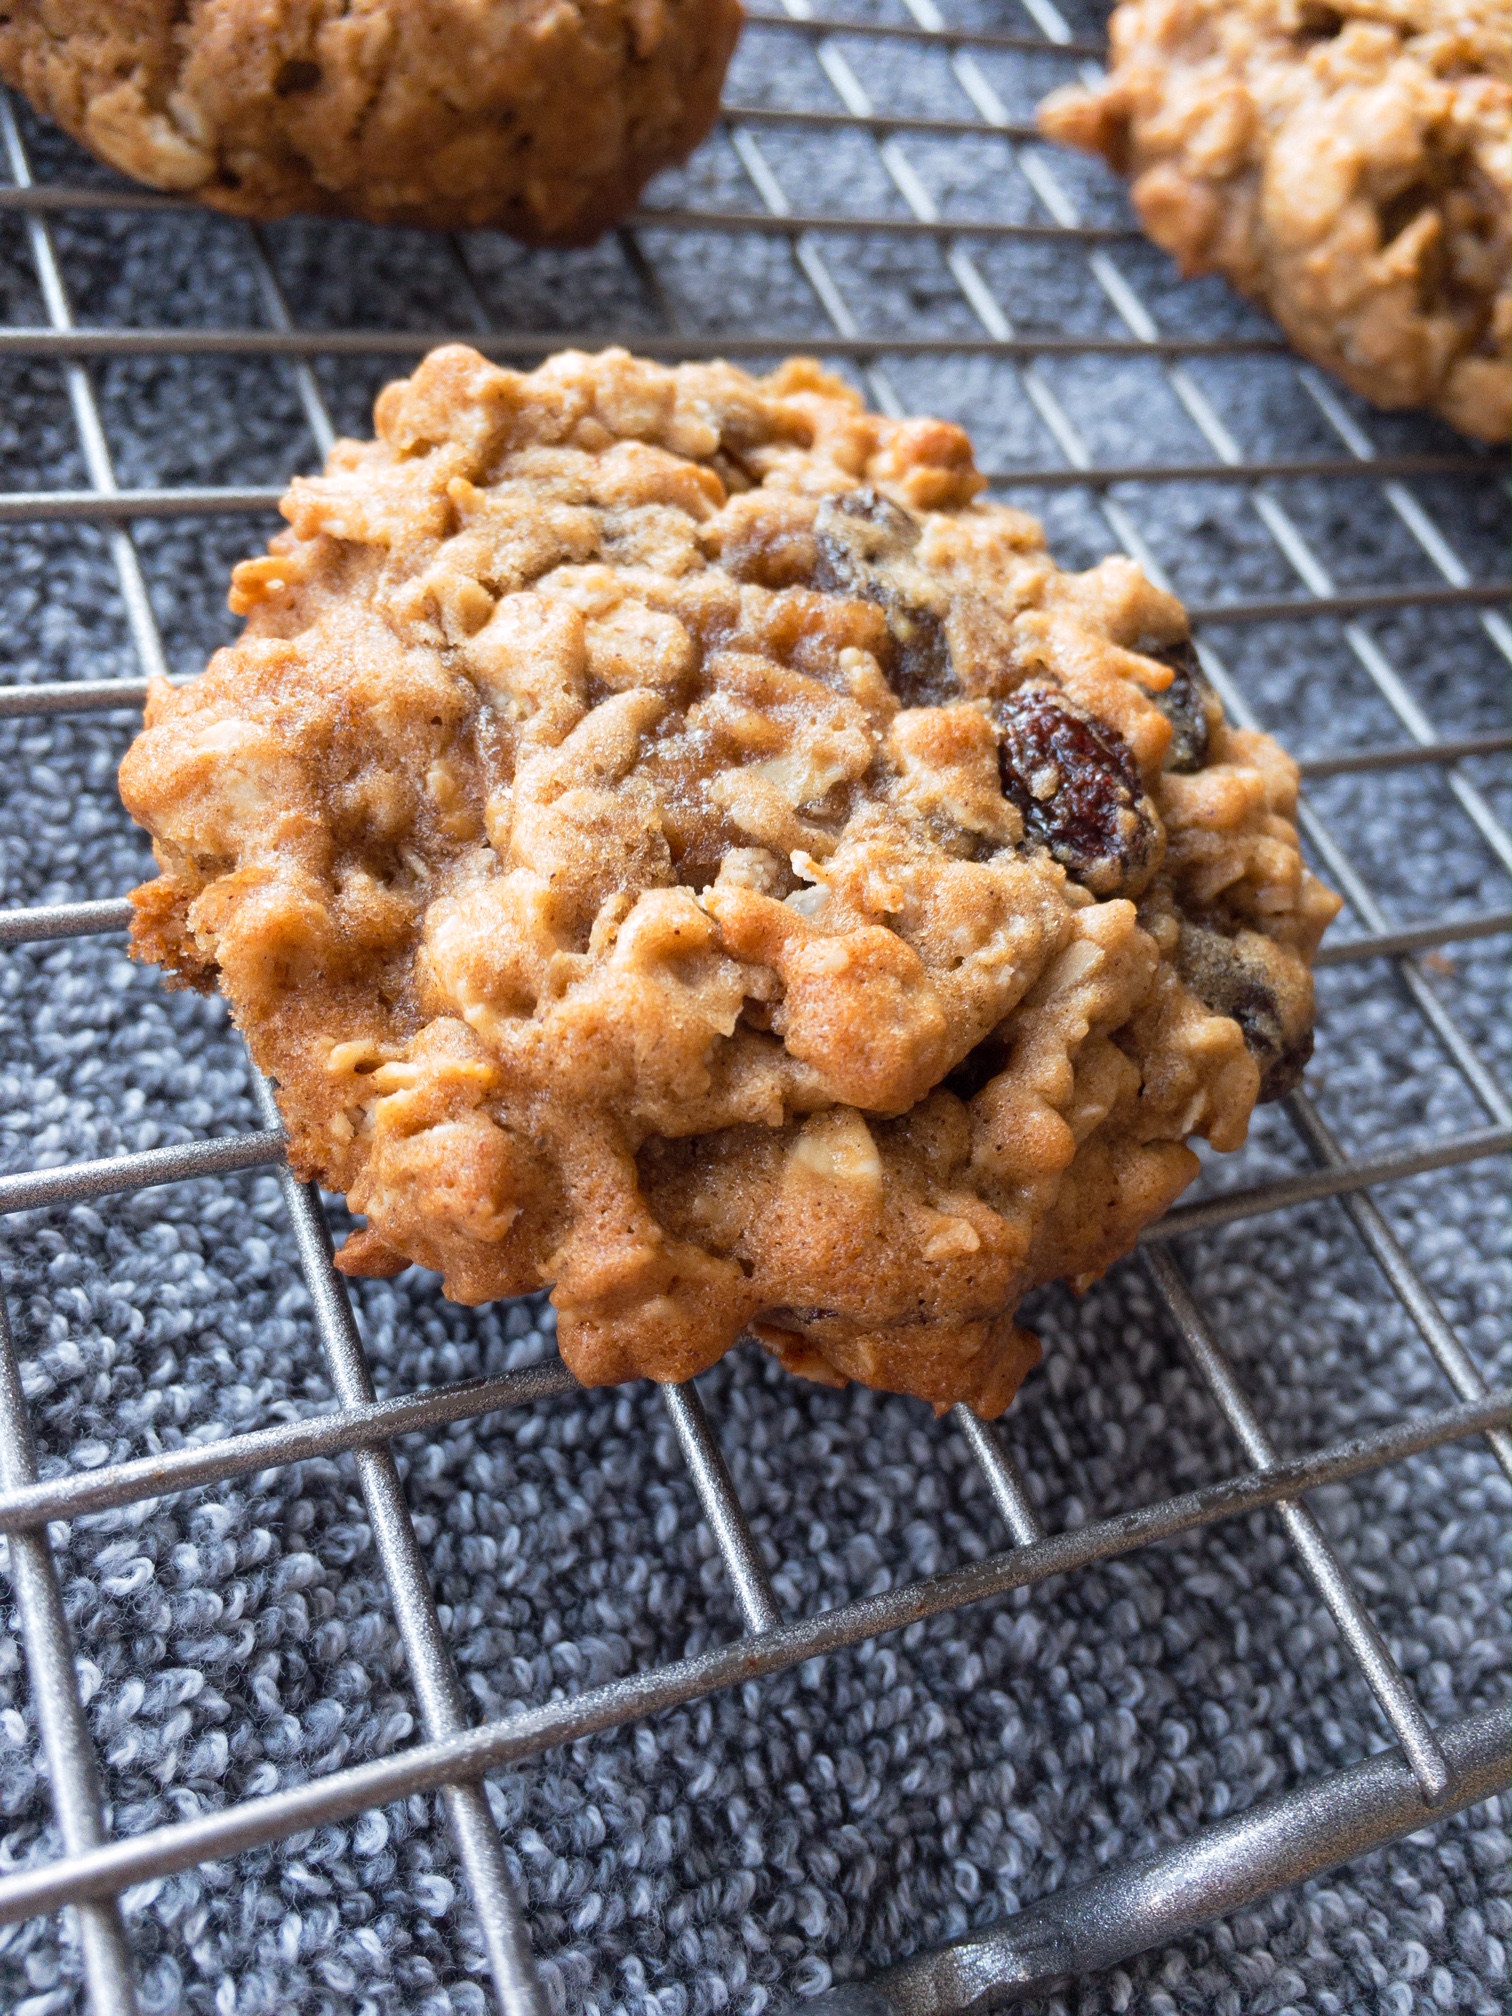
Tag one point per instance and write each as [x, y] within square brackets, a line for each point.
[543, 116]
[669, 840]
[1345, 164]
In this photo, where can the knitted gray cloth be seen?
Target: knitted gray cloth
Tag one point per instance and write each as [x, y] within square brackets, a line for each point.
[768, 1842]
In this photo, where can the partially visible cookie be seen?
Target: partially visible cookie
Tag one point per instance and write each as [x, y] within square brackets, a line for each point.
[671, 842]
[545, 117]
[1343, 162]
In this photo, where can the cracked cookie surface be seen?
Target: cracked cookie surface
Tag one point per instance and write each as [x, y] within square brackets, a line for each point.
[1345, 164]
[668, 840]
[545, 117]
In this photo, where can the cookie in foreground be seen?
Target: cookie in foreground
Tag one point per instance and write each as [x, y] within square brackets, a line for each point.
[545, 117]
[1344, 165]
[670, 841]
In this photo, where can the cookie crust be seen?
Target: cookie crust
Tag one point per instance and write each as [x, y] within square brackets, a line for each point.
[545, 117]
[1345, 164]
[668, 840]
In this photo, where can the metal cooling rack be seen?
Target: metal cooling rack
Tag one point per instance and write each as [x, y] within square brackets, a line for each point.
[1430, 1771]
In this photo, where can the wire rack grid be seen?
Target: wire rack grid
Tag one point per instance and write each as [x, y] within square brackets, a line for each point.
[878, 179]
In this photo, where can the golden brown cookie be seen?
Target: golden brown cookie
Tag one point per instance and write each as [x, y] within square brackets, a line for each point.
[543, 116]
[1345, 164]
[669, 840]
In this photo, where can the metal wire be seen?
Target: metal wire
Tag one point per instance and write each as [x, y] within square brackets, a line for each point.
[1093, 1924]
[71, 344]
[66, 1745]
[26, 507]
[723, 1510]
[1398, 1702]
[425, 1767]
[944, 36]
[1004, 1479]
[1220, 1867]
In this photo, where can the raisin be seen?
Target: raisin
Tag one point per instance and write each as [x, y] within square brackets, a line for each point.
[1077, 785]
[1188, 703]
[920, 670]
[865, 542]
[1234, 977]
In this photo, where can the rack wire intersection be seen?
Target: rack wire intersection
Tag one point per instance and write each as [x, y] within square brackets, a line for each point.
[1430, 1771]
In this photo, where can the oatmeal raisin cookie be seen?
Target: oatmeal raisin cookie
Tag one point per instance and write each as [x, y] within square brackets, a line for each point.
[543, 116]
[670, 840]
[1343, 162]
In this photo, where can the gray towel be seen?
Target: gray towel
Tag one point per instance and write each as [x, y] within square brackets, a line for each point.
[763, 1844]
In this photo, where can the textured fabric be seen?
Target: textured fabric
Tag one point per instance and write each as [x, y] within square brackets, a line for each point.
[756, 1847]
